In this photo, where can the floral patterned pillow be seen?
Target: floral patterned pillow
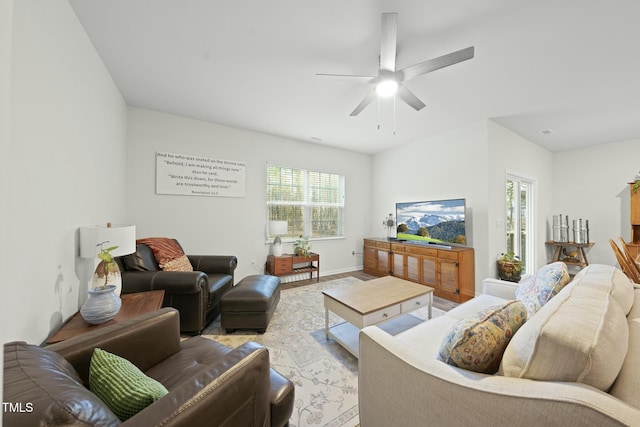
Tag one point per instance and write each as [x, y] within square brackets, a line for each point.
[478, 342]
[539, 288]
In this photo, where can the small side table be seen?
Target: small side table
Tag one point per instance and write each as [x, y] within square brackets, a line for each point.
[579, 261]
[289, 264]
[133, 305]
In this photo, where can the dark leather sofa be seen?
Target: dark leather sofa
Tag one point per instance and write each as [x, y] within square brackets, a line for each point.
[208, 383]
[195, 294]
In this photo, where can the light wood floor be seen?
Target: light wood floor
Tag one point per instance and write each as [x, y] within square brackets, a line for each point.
[438, 302]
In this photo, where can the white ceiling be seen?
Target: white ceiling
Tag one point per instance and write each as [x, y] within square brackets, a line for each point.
[572, 66]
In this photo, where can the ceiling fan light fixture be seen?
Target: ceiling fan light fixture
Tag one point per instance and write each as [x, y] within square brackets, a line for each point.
[389, 81]
[387, 88]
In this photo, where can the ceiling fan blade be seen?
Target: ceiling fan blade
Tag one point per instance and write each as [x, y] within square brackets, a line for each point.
[350, 78]
[407, 96]
[436, 63]
[388, 41]
[366, 101]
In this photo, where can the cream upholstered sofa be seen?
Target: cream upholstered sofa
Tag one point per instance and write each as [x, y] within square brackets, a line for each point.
[575, 362]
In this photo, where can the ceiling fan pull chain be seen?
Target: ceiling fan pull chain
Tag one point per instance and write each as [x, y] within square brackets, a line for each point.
[378, 98]
[394, 114]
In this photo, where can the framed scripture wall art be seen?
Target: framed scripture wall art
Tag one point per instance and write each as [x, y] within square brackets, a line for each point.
[189, 175]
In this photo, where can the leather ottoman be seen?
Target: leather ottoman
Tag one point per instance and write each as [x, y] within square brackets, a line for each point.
[250, 304]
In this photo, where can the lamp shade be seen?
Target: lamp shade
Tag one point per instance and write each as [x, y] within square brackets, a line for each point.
[278, 227]
[122, 236]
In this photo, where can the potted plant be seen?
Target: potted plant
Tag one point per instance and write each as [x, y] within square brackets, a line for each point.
[510, 267]
[107, 271]
[103, 303]
[301, 246]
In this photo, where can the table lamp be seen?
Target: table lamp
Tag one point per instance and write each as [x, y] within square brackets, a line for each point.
[278, 228]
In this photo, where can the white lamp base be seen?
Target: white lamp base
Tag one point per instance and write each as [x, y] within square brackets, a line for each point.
[277, 250]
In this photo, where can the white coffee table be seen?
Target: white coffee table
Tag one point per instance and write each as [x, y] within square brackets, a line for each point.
[371, 303]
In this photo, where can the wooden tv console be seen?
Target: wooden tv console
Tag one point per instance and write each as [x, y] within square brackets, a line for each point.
[451, 272]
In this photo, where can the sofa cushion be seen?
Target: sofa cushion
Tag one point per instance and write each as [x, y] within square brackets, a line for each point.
[474, 305]
[608, 279]
[438, 327]
[435, 329]
[477, 343]
[121, 385]
[49, 390]
[581, 335]
[141, 260]
[196, 354]
[536, 290]
[627, 384]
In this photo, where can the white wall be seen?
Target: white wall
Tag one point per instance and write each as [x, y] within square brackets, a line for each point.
[450, 165]
[68, 163]
[510, 153]
[236, 226]
[65, 165]
[592, 183]
[471, 162]
[6, 30]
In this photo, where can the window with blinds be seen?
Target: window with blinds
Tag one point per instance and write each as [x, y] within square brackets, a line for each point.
[311, 202]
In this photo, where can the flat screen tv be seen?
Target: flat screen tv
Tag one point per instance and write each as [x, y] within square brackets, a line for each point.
[435, 221]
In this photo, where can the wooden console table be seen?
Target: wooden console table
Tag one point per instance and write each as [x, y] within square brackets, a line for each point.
[289, 264]
[450, 270]
[133, 305]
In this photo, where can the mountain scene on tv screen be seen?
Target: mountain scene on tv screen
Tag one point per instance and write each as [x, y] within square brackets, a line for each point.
[446, 226]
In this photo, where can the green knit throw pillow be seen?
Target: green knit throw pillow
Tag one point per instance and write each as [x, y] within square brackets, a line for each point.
[123, 387]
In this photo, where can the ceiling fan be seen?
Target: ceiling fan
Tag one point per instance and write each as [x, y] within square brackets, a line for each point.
[389, 81]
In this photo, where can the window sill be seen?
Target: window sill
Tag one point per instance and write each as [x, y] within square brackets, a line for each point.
[314, 239]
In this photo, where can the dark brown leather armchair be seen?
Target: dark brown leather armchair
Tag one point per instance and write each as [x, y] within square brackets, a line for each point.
[195, 294]
[208, 383]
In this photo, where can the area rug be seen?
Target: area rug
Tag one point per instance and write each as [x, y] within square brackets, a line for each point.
[325, 374]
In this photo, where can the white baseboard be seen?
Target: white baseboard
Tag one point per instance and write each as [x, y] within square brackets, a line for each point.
[305, 276]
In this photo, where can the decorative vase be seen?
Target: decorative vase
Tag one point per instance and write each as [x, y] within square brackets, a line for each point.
[106, 274]
[103, 305]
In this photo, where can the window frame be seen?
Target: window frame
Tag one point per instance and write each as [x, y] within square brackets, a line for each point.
[529, 220]
[307, 205]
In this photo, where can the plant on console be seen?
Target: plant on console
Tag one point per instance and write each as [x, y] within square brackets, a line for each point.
[301, 246]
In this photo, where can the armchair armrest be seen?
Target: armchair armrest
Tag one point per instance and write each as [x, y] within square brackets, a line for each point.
[173, 282]
[233, 391]
[499, 288]
[145, 341]
[219, 264]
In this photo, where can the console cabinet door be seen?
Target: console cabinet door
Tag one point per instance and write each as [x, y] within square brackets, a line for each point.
[413, 268]
[399, 269]
[383, 262]
[429, 271]
[370, 260]
[449, 276]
